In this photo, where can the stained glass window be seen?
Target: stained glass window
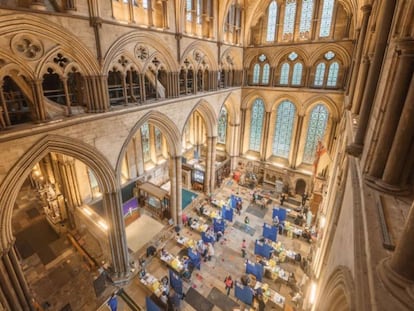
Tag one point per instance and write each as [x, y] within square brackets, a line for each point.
[145, 142]
[284, 74]
[256, 124]
[290, 15]
[256, 73]
[158, 141]
[266, 73]
[283, 129]
[145, 4]
[189, 8]
[292, 56]
[271, 22]
[319, 74]
[297, 74]
[316, 130]
[326, 20]
[333, 74]
[306, 18]
[222, 126]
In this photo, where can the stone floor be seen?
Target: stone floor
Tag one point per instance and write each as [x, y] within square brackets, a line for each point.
[67, 279]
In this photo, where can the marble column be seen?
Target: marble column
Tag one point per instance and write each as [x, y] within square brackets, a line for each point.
[117, 236]
[385, 16]
[366, 12]
[393, 106]
[403, 139]
[14, 291]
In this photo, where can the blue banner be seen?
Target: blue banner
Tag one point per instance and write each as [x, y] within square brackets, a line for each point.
[227, 213]
[234, 199]
[176, 282]
[219, 225]
[256, 269]
[280, 212]
[263, 249]
[243, 293]
[270, 232]
[151, 305]
[208, 238]
[195, 258]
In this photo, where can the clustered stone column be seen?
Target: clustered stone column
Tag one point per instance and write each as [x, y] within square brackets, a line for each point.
[210, 175]
[14, 292]
[385, 16]
[366, 12]
[397, 271]
[176, 185]
[298, 133]
[116, 236]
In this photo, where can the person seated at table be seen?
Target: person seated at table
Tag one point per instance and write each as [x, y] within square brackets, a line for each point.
[299, 219]
[165, 284]
[245, 280]
[164, 253]
[261, 303]
[189, 221]
[307, 235]
[276, 221]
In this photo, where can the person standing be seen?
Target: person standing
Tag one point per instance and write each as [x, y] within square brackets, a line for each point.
[228, 283]
[243, 248]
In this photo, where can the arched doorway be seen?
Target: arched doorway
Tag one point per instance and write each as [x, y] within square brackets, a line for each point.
[300, 187]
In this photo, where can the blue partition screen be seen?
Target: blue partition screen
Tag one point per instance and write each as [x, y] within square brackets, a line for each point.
[243, 293]
[227, 213]
[280, 212]
[151, 305]
[219, 225]
[207, 238]
[195, 258]
[176, 282]
[270, 232]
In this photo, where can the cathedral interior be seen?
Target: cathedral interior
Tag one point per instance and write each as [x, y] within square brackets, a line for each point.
[129, 128]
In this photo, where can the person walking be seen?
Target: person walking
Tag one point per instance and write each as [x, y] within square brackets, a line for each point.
[228, 283]
[243, 248]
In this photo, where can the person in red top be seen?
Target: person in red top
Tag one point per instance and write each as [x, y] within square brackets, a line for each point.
[229, 283]
[243, 246]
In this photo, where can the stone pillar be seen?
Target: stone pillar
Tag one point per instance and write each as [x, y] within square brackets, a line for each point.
[210, 177]
[362, 80]
[393, 106]
[14, 292]
[296, 142]
[366, 12]
[4, 106]
[97, 87]
[70, 187]
[70, 5]
[39, 110]
[266, 135]
[385, 16]
[402, 260]
[403, 139]
[397, 272]
[142, 87]
[67, 99]
[243, 126]
[38, 5]
[176, 188]
[116, 235]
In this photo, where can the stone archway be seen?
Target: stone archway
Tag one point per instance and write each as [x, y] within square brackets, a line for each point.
[14, 290]
[173, 140]
[300, 187]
